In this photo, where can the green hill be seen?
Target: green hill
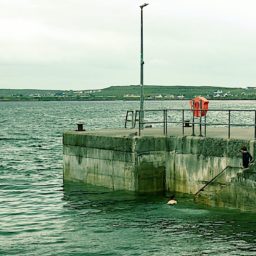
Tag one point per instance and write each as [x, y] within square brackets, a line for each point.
[131, 92]
[174, 92]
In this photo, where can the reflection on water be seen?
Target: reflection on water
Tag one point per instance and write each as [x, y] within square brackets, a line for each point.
[42, 216]
[143, 224]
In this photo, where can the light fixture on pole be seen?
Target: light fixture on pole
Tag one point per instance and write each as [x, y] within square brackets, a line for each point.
[141, 116]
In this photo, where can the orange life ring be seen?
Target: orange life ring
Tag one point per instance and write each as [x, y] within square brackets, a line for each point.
[199, 106]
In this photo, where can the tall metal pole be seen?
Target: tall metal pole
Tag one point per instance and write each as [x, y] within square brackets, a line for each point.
[141, 117]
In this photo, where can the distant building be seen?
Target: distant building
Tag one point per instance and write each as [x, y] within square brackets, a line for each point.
[131, 96]
[158, 96]
[35, 95]
[218, 93]
[169, 96]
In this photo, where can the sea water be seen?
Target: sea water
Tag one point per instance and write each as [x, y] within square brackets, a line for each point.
[41, 215]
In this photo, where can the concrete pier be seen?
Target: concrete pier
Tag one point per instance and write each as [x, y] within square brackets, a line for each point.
[121, 160]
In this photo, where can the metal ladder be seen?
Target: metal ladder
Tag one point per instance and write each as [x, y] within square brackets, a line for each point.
[131, 116]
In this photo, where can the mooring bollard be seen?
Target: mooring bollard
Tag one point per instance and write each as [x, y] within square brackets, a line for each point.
[80, 127]
[187, 123]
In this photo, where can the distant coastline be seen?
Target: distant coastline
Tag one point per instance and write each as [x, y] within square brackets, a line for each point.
[109, 100]
[130, 93]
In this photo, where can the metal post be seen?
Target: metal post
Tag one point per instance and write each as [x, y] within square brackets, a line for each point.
[205, 126]
[193, 120]
[183, 122]
[165, 122]
[139, 123]
[200, 124]
[133, 118]
[229, 124]
[255, 125]
[141, 69]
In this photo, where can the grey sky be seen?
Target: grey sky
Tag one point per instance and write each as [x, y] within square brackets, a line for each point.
[82, 44]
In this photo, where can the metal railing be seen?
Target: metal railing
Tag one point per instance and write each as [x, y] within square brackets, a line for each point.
[212, 180]
[164, 118]
[219, 174]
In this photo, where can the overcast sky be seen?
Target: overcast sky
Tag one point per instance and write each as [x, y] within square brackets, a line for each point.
[82, 44]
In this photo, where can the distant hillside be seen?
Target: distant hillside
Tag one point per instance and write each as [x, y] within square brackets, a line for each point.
[153, 90]
[174, 92]
[131, 92]
[26, 92]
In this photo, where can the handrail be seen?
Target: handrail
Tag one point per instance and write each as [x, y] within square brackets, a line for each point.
[209, 110]
[202, 122]
[210, 181]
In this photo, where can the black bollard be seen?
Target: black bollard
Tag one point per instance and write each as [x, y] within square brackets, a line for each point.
[80, 127]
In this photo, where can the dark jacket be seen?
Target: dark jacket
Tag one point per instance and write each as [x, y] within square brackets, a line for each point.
[246, 158]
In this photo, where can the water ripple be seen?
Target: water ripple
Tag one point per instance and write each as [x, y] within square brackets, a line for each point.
[42, 216]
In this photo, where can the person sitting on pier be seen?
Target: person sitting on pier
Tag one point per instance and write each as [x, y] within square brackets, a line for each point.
[247, 158]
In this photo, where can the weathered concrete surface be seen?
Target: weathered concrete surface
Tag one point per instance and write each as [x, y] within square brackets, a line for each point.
[194, 160]
[99, 160]
[115, 162]
[212, 132]
[239, 192]
[120, 160]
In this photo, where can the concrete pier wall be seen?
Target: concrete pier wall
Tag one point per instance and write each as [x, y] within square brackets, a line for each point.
[114, 162]
[192, 161]
[158, 163]
[99, 160]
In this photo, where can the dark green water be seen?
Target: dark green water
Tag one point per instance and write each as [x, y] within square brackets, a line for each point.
[42, 216]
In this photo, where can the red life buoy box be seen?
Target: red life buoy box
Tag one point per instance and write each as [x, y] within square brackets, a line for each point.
[199, 106]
